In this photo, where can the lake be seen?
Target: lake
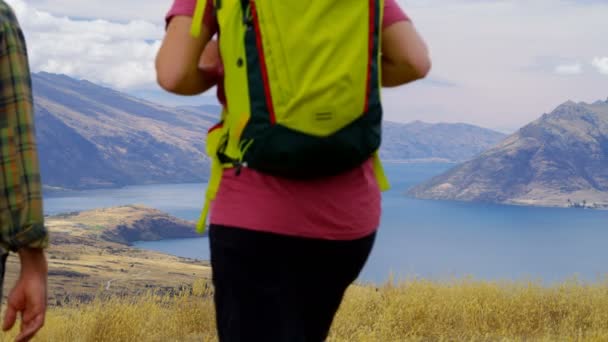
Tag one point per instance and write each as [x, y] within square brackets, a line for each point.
[418, 238]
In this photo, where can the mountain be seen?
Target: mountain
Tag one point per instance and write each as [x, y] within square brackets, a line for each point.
[561, 159]
[94, 137]
[91, 136]
[448, 142]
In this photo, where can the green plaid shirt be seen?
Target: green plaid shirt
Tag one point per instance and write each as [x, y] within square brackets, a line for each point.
[21, 217]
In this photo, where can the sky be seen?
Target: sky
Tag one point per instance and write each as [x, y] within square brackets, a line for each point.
[496, 63]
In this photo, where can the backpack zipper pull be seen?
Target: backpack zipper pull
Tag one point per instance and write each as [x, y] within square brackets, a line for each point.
[247, 17]
[239, 166]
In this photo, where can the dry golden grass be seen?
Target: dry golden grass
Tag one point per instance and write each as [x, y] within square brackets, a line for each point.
[463, 310]
[474, 311]
[79, 268]
[150, 317]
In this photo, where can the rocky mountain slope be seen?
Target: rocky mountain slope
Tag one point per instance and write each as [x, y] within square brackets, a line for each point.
[561, 159]
[94, 137]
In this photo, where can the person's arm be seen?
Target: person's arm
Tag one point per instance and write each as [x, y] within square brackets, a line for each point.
[405, 57]
[177, 62]
[21, 218]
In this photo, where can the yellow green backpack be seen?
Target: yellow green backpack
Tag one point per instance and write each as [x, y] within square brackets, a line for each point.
[302, 83]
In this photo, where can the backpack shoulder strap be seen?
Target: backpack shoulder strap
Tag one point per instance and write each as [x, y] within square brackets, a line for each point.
[198, 17]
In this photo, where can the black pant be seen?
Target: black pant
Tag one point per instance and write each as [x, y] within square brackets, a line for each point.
[271, 287]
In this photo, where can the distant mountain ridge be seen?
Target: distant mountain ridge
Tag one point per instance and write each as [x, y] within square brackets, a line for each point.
[91, 136]
[561, 159]
[449, 142]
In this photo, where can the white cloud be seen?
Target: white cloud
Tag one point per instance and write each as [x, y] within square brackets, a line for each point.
[569, 69]
[601, 64]
[489, 46]
[113, 10]
[117, 54]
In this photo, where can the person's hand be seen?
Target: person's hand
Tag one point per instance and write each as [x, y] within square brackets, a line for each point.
[211, 62]
[29, 295]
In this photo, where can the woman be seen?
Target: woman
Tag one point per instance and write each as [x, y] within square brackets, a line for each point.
[282, 262]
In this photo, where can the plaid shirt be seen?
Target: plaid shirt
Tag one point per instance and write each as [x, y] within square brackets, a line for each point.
[21, 216]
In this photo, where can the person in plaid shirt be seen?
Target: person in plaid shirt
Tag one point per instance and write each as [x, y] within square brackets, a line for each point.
[21, 218]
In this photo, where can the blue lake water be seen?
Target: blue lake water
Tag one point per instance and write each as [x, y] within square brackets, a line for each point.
[418, 238]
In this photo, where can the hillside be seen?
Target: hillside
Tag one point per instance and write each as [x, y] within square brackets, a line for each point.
[561, 159]
[94, 137]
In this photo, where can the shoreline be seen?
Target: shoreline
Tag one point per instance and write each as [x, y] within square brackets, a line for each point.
[549, 205]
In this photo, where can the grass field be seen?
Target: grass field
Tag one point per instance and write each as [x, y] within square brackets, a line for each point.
[463, 310]
[106, 291]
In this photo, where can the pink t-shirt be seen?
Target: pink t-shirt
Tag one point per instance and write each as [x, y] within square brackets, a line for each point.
[343, 207]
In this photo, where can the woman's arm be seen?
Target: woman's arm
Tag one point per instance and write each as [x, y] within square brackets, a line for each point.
[405, 57]
[177, 61]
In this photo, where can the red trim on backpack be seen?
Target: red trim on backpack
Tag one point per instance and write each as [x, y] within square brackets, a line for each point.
[372, 32]
[216, 126]
[258, 38]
